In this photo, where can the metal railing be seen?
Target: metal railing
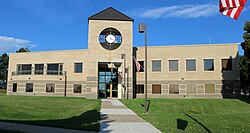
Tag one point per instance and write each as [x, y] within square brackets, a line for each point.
[38, 72]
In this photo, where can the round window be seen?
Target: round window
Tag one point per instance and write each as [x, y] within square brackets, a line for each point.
[110, 38]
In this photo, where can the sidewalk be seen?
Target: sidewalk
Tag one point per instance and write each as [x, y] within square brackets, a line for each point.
[117, 118]
[37, 129]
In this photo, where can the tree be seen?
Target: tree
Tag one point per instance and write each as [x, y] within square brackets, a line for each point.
[23, 50]
[4, 61]
[245, 60]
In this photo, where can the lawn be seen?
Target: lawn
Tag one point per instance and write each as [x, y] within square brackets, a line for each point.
[200, 115]
[75, 113]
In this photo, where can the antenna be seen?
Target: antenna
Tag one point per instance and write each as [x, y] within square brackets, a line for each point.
[209, 39]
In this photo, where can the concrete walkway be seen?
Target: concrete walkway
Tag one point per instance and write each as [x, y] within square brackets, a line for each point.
[37, 129]
[117, 118]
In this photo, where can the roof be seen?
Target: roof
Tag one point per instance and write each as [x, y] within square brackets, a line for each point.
[110, 14]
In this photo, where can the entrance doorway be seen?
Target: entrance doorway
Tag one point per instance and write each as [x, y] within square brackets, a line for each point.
[107, 81]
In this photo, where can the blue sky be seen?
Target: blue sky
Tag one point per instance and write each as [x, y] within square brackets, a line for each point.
[44, 25]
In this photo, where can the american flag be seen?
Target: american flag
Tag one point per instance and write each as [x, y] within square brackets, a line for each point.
[232, 8]
[138, 65]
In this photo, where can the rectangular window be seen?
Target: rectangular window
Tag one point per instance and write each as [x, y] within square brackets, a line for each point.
[14, 87]
[54, 69]
[209, 88]
[39, 69]
[173, 65]
[156, 89]
[191, 65]
[142, 66]
[24, 69]
[191, 88]
[78, 68]
[156, 65]
[50, 87]
[174, 89]
[139, 89]
[226, 64]
[77, 88]
[208, 65]
[227, 88]
[29, 87]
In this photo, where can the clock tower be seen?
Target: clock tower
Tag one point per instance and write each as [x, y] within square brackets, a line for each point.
[110, 34]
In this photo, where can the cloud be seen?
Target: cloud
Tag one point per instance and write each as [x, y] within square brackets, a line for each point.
[10, 44]
[177, 11]
[55, 11]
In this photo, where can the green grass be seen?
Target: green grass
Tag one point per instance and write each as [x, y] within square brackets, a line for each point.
[75, 113]
[201, 115]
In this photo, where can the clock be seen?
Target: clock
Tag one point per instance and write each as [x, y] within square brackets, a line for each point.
[110, 38]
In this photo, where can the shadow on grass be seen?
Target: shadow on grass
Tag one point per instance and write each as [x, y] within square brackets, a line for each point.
[198, 123]
[89, 121]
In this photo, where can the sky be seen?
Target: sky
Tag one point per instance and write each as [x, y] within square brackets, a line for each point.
[45, 25]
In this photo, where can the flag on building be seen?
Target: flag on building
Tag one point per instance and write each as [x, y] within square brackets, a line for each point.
[232, 8]
[137, 64]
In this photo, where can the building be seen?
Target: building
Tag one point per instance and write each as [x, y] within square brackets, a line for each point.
[107, 68]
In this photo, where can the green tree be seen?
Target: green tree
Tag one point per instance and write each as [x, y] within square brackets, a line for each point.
[4, 61]
[245, 60]
[23, 50]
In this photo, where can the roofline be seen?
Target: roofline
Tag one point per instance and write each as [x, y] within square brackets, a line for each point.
[191, 45]
[89, 18]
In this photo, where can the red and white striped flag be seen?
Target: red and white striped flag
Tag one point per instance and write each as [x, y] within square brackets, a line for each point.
[137, 64]
[232, 8]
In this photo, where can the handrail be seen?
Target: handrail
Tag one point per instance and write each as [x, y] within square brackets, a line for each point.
[38, 72]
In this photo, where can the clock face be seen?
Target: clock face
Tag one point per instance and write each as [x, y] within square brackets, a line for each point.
[110, 38]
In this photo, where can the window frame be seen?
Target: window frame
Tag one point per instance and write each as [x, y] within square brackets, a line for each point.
[160, 65]
[76, 69]
[178, 66]
[74, 89]
[26, 85]
[222, 64]
[157, 85]
[204, 64]
[138, 88]
[54, 89]
[14, 90]
[195, 64]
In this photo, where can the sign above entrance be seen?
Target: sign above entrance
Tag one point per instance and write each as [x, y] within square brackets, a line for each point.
[110, 38]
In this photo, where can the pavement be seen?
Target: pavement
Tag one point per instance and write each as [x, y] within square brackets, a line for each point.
[117, 118]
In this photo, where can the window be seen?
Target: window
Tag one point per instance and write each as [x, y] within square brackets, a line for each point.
[142, 66]
[50, 87]
[54, 69]
[24, 69]
[208, 65]
[174, 89]
[191, 65]
[78, 67]
[226, 64]
[191, 88]
[156, 89]
[77, 88]
[139, 89]
[156, 65]
[173, 65]
[29, 87]
[227, 88]
[209, 88]
[39, 69]
[14, 87]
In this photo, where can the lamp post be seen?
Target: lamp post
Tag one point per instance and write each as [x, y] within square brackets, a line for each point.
[143, 29]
